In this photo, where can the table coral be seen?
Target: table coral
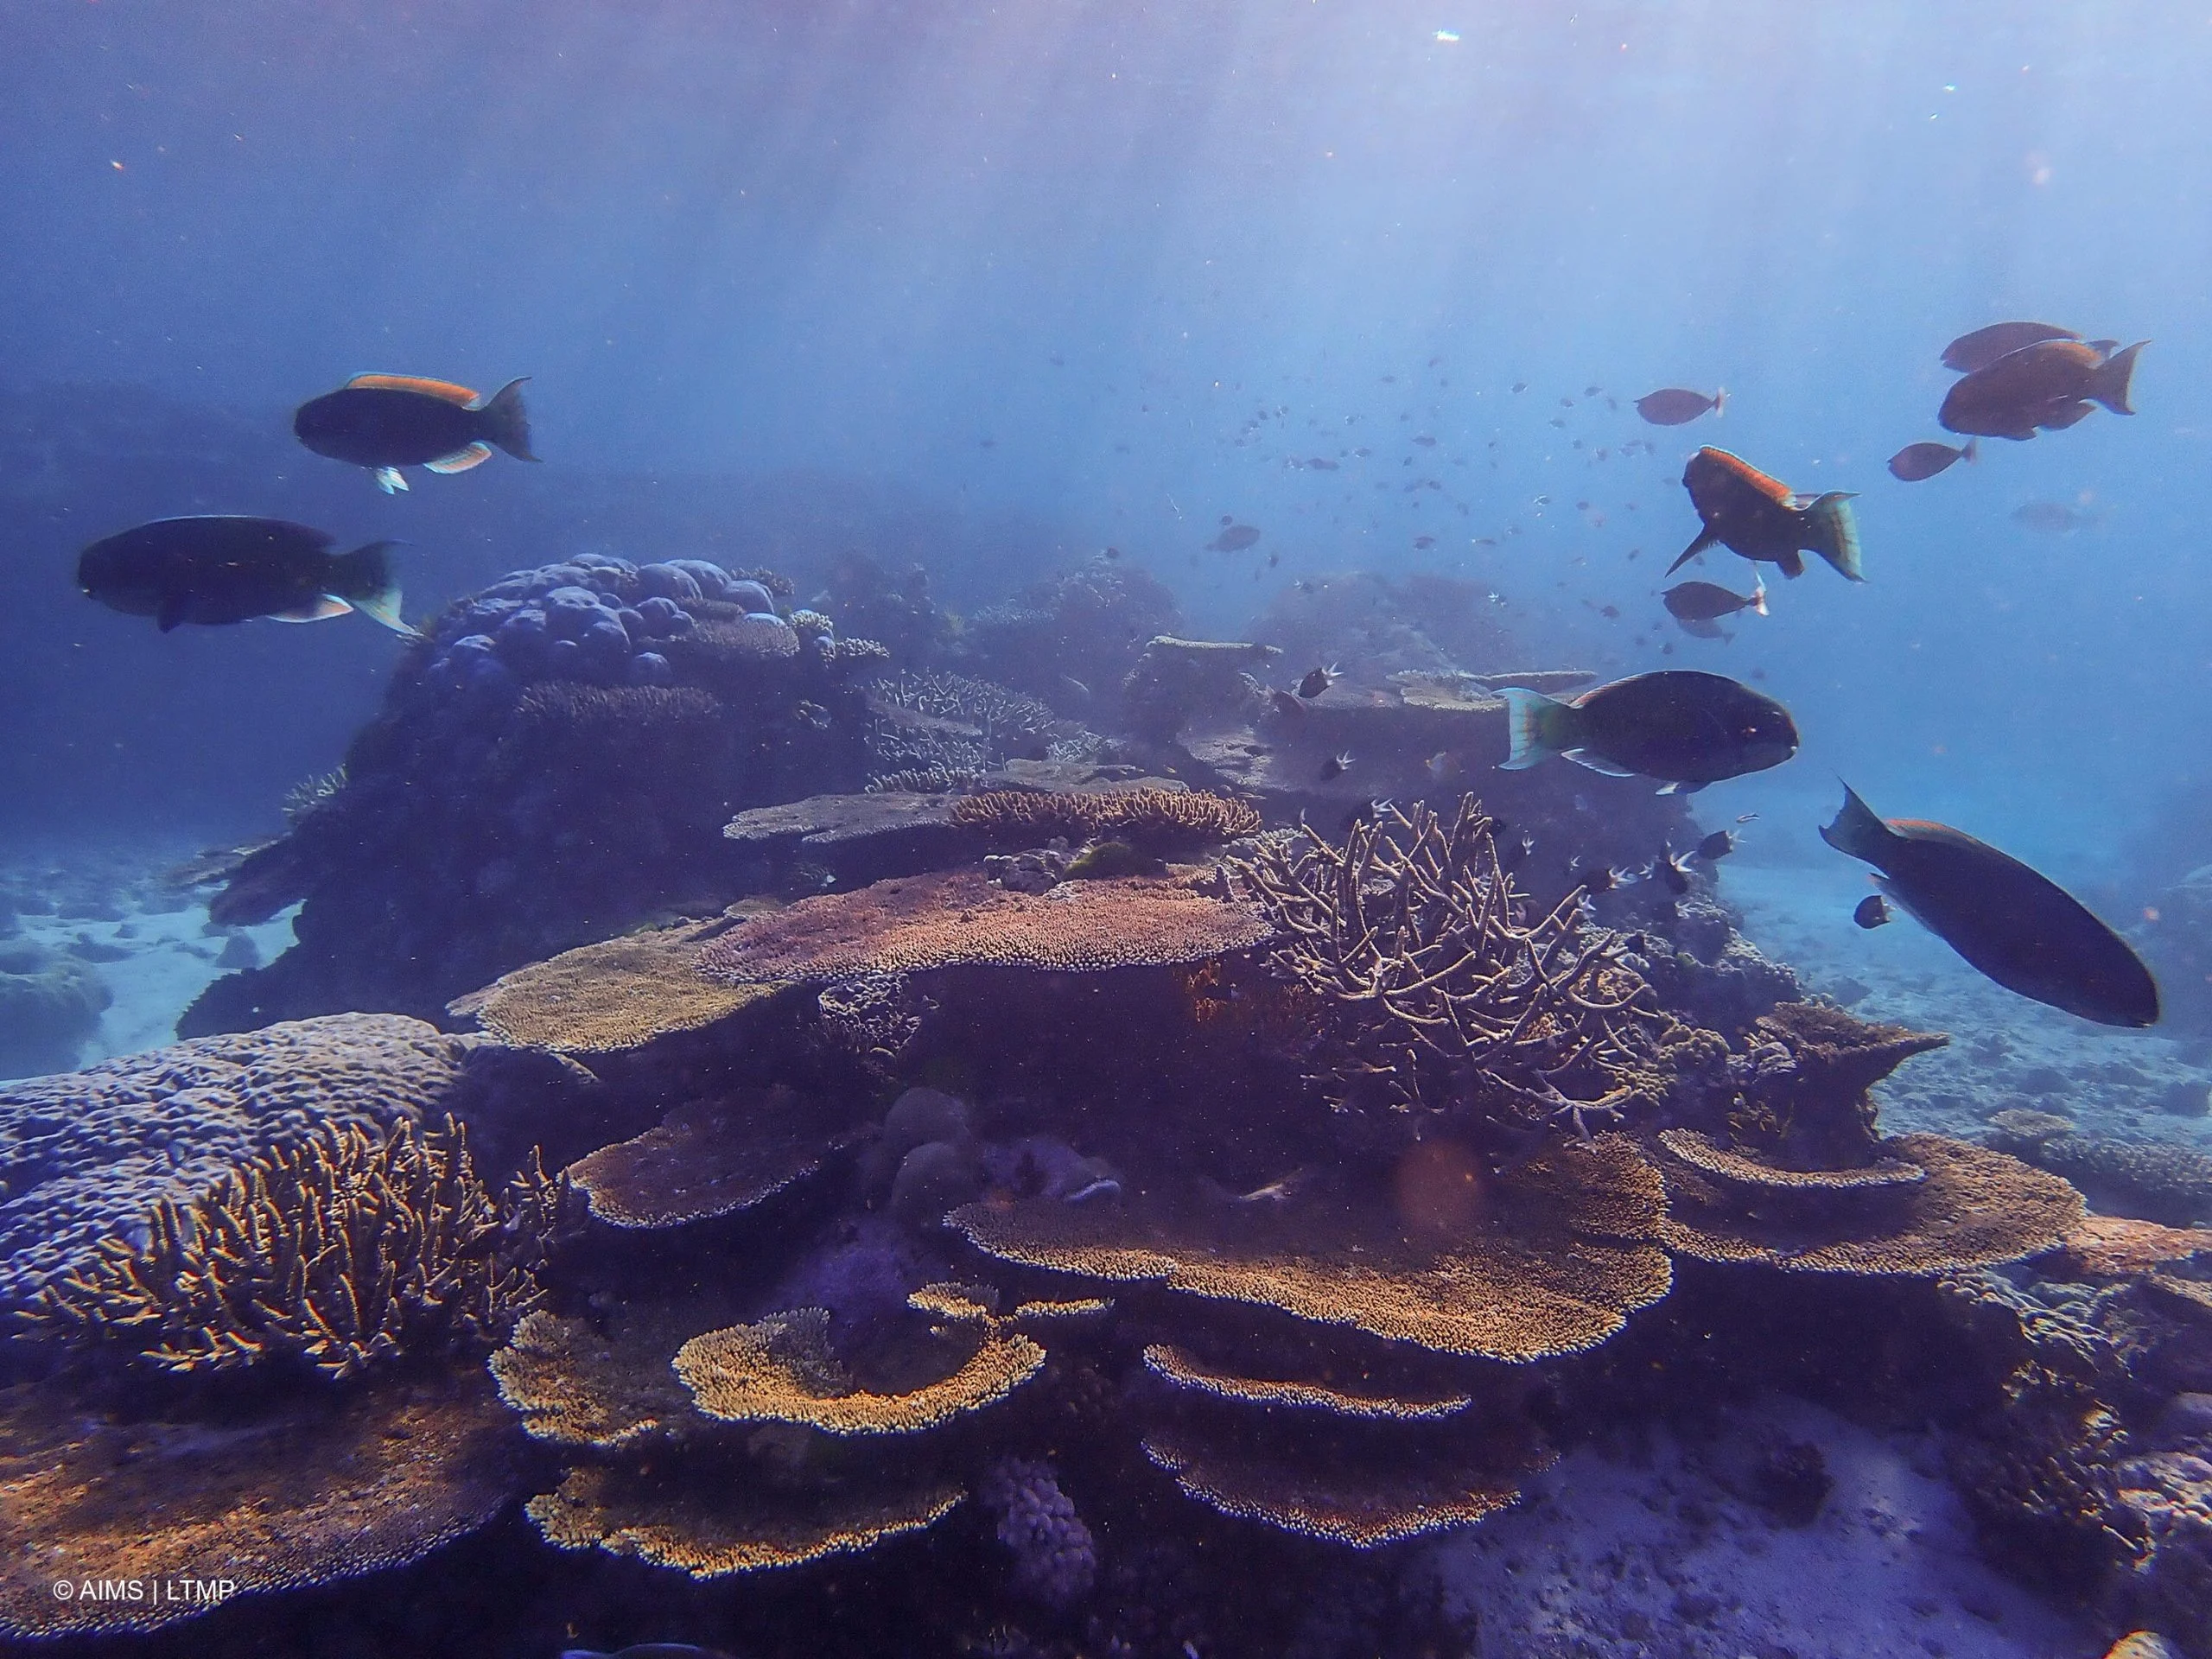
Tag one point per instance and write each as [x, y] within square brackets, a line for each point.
[307, 1494]
[1554, 1265]
[1144, 818]
[607, 998]
[957, 920]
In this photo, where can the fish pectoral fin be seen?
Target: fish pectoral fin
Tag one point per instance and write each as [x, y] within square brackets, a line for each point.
[1792, 564]
[1596, 763]
[390, 481]
[446, 391]
[171, 614]
[1678, 787]
[1705, 539]
[461, 460]
[320, 608]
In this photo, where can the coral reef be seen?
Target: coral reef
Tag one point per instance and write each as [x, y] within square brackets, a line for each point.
[319, 1492]
[1055, 1559]
[341, 1251]
[1152, 818]
[1378, 625]
[1178, 683]
[1072, 638]
[569, 742]
[609, 997]
[708, 1157]
[1450, 1001]
[2154, 1179]
[959, 920]
[86, 1157]
[50, 1004]
[1553, 1263]
[1926, 1205]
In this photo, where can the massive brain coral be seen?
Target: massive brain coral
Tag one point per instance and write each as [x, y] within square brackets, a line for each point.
[958, 918]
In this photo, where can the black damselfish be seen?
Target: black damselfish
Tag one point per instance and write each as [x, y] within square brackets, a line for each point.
[2019, 927]
[224, 567]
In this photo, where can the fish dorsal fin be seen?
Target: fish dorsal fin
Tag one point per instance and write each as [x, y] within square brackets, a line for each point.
[445, 390]
[461, 460]
[320, 608]
[1768, 486]
[1597, 763]
[1928, 829]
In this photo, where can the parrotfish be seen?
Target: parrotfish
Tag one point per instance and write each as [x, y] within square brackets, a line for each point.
[221, 568]
[1684, 727]
[385, 422]
[2049, 385]
[2017, 926]
[1762, 519]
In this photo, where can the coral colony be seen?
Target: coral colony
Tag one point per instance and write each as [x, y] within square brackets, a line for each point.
[939, 1161]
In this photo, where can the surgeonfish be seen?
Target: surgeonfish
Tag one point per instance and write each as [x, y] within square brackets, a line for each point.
[1916, 462]
[2017, 926]
[385, 422]
[1678, 405]
[221, 569]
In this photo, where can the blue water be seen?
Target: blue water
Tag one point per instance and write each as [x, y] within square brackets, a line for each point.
[827, 251]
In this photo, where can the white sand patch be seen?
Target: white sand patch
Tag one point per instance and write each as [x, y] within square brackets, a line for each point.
[1671, 1557]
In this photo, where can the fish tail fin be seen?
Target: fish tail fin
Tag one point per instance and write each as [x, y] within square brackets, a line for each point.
[505, 423]
[1536, 725]
[1835, 533]
[1704, 538]
[2108, 381]
[364, 578]
[1719, 401]
[1857, 831]
[1758, 596]
[1972, 450]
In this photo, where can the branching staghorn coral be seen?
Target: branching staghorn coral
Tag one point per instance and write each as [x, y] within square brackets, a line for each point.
[1451, 998]
[342, 1250]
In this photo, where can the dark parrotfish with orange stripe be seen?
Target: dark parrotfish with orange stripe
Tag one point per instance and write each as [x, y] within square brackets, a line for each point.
[385, 422]
[2017, 926]
[1763, 519]
[2049, 385]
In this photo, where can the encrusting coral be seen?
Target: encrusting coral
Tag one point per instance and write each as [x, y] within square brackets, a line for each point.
[341, 1251]
[959, 919]
[1450, 998]
[1144, 818]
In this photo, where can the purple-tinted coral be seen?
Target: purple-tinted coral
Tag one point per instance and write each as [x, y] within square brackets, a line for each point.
[1055, 1559]
[591, 618]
